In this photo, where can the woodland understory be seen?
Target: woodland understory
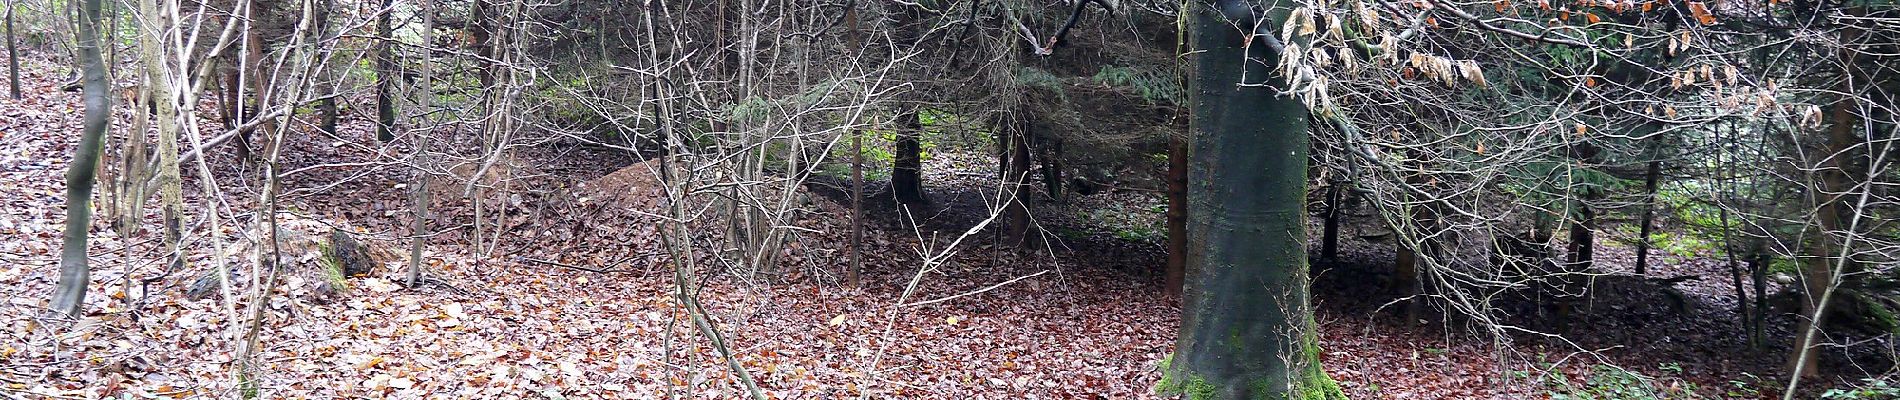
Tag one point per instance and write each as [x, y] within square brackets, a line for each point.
[1088, 322]
[949, 199]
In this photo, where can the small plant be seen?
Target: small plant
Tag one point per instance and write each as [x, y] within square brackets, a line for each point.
[1671, 367]
[1869, 388]
[1136, 234]
[1153, 85]
[1744, 387]
[1610, 383]
[1136, 225]
[331, 268]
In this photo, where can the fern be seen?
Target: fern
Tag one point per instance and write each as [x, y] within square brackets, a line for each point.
[1153, 86]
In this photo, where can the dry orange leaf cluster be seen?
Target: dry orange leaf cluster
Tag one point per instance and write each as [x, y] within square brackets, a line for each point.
[1701, 13]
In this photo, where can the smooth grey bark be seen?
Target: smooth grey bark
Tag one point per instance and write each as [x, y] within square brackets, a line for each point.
[420, 226]
[74, 273]
[1246, 325]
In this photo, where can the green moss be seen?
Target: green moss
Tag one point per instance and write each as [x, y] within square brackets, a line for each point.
[1314, 383]
[247, 386]
[1193, 387]
[331, 267]
[1167, 386]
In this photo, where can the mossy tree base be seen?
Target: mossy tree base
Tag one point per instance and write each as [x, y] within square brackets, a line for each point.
[1311, 384]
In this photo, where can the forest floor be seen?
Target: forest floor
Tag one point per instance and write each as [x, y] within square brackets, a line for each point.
[575, 301]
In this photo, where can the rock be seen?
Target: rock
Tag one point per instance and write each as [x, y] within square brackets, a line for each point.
[321, 264]
[205, 285]
[350, 255]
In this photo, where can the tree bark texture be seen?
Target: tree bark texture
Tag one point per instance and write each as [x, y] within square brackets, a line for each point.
[1247, 328]
[74, 273]
[907, 165]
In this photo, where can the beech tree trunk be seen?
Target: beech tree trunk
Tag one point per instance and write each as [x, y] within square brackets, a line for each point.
[1246, 325]
[907, 182]
[74, 273]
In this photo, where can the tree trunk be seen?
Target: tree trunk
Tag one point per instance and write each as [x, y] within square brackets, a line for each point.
[1424, 220]
[854, 40]
[419, 227]
[1583, 238]
[857, 206]
[1818, 266]
[481, 32]
[124, 196]
[251, 68]
[326, 104]
[13, 54]
[1758, 263]
[159, 84]
[1405, 277]
[1051, 153]
[1582, 245]
[1404, 270]
[1649, 215]
[386, 75]
[907, 166]
[1329, 239]
[231, 106]
[268, 256]
[1177, 215]
[1246, 325]
[70, 296]
[1729, 247]
[1015, 171]
[1734, 271]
